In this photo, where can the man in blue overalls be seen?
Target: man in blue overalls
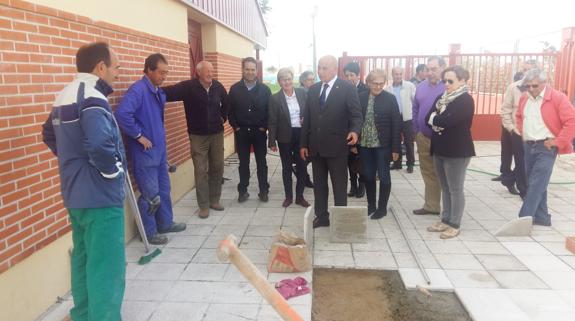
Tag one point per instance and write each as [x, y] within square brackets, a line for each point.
[141, 118]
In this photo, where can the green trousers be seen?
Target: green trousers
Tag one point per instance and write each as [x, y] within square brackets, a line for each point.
[98, 263]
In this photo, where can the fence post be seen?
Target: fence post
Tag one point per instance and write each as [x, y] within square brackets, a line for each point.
[343, 60]
[454, 50]
[565, 77]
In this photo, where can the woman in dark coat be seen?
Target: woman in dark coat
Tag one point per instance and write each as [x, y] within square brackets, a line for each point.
[284, 124]
[379, 142]
[452, 147]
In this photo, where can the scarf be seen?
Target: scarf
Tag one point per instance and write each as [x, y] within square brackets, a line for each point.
[446, 99]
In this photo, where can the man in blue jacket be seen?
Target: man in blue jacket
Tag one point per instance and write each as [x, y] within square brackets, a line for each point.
[82, 133]
[141, 117]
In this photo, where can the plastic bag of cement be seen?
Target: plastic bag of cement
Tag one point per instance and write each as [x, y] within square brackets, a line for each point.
[288, 254]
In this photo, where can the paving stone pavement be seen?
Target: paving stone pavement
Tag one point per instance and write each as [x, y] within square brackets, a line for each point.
[496, 278]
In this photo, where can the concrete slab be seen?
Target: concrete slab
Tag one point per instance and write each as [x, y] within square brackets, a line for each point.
[348, 224]
[518, 227]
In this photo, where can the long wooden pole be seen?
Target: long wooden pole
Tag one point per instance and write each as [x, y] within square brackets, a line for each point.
[228, 250]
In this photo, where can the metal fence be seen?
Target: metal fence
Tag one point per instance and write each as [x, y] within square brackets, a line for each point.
[490, 74]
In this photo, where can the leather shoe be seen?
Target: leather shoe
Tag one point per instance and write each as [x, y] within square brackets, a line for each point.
[263, 196]
[410, 169]
[158, 239]
[302, 202]
[217, 207]
[423, 211]
[176, 227]
[308, 183]
[512, 189]
[379, 213]
[319, 222]
[203, 213]
[287, 202]
[360, 190]
[496, 179]
[243, 197]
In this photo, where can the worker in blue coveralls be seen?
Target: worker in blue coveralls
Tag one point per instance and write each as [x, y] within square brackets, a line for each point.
[141, 118]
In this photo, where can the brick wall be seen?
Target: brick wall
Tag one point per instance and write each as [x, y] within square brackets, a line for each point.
[37, 46]
[228, 70]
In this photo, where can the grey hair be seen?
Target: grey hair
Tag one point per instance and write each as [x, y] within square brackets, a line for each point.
[532, 62]
[201, 65]
[283, 72]
[533, 74]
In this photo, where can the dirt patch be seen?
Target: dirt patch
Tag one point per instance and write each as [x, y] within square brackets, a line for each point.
[364, 295]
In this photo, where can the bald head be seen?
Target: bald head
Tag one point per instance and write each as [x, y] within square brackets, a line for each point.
[205, 72]
[397, 75]
[327, 68]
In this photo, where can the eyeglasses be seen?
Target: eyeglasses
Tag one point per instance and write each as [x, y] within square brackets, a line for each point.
[449, 81]
[531, 86]
[377, 84]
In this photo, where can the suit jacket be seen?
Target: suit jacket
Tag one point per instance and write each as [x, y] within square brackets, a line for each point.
[387, 119]
[324, 133]
[279, 120]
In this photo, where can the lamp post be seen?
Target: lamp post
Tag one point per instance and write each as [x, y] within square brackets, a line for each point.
[313, 15]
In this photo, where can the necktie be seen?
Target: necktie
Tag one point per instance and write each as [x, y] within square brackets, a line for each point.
[322, 97]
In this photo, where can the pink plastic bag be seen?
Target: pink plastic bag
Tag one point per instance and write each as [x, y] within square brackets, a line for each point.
[289, 288]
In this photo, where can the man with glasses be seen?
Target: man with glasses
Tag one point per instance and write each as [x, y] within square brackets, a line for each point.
[546, 121]
[306, 79]
[425, 96]
[511, 144]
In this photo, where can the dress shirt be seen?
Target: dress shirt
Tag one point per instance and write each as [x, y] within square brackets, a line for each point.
[293, 107]
[534, 127]
[328, 90]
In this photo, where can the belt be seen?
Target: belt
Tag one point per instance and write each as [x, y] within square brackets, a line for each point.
[531, 142]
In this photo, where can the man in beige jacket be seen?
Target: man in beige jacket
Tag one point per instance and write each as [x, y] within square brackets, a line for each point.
[404, 92]
[511, 137]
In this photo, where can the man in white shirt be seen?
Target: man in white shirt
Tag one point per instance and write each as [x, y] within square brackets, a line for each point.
[546, 121]
[404, 92]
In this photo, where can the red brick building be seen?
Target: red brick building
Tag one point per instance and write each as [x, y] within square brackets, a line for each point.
[38, 42]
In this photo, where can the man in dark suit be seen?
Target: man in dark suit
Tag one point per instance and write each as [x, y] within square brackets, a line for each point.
[332, 121]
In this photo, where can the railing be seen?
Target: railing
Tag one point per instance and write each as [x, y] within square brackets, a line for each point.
[490, 74]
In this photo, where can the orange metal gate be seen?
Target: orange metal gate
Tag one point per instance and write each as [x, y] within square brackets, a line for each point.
[490, 75]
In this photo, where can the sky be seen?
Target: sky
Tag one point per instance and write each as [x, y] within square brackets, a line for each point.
[383, 27]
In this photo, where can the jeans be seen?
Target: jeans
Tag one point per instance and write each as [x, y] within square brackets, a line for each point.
[539, 163]
[451, 174]
[288, 153]
[245, 138]
[375, 160]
